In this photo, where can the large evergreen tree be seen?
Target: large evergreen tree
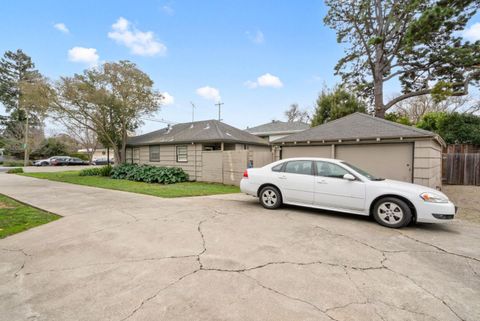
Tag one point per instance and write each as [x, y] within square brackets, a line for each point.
[336, 103]
[25, 94]
[415, 42]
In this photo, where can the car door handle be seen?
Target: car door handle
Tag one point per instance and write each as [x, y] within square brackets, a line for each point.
[282, 177]
[321, 182]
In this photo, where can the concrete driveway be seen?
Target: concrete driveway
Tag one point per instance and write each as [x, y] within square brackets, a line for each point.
[122, 256]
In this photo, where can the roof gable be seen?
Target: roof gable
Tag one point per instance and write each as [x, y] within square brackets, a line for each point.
[200, 131]
[356, 126]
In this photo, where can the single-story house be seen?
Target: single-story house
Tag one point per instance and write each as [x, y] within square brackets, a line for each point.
[381, 147]
[186, 145]
[277, 129]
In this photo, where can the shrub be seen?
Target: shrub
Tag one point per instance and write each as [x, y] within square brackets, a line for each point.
[97, 171]
[16, 170]
[82, 156]
[90, 172]
[13, 163]
[149, 174]
[105, 170]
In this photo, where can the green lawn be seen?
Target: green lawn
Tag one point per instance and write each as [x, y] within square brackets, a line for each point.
[16, 217]
[172, 190]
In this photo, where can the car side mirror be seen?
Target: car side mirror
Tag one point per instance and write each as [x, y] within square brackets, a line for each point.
[349, 177]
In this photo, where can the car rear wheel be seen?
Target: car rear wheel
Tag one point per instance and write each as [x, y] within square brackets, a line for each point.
[392, 212]
[270, 197]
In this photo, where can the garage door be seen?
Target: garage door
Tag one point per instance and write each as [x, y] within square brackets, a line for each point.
[307, 151]
[392, 161]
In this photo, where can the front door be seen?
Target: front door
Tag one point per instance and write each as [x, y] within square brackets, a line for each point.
[296, 182]
[333, 191]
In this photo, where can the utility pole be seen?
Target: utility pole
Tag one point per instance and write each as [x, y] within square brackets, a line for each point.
[219, 104]
[193, 111]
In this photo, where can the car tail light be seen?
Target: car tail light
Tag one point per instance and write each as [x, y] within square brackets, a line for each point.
[245, 174]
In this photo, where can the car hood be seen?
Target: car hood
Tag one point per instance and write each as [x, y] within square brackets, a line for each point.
[407, 187]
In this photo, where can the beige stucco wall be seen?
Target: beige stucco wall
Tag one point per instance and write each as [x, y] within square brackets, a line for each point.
[168, 158]
[324, 151]
[428, 163]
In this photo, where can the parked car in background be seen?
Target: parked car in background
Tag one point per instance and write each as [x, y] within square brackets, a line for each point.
[72, 161]
[332, 184]
[60, 161]
[102, 161]
[47, 161]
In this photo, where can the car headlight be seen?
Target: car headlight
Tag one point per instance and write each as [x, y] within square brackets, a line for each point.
[433, 198]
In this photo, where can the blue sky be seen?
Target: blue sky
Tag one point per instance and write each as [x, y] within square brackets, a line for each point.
[260, 56]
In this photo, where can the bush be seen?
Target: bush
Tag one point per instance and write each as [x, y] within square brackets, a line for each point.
[82, 156]
[16, 170]
[149, 174]
[13, 163]
[98, 171]
[105, 170]
[90, 172]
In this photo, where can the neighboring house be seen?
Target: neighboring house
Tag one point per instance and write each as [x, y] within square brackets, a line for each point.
[98, 153]
[200, 148]
[383, 148]
[277, 129]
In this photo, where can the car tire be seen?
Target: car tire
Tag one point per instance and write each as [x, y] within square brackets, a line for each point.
[392, 212]
[270, 197]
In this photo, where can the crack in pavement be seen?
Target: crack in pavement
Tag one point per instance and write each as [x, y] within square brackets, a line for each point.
[438, 247]
[290, 297]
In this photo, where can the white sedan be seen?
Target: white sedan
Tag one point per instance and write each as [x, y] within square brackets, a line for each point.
[335, 185]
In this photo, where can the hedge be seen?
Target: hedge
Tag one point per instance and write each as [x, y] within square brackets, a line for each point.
[149, 174]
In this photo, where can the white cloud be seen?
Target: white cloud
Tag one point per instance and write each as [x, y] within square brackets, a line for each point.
[141, 43]
[266, 80]
[256, 37]
[87, 56]
[209, 93]
[61, 27]
[167, 99]
[168, 10]
[472, 33]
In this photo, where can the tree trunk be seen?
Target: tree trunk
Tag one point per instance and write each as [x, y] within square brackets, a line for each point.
[378, 97]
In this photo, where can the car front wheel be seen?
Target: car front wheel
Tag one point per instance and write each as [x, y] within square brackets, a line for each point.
[270, 197]
[392, 212]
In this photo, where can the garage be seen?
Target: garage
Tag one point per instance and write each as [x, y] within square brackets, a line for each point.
[307, 151]
[379, 159]
[381, 147]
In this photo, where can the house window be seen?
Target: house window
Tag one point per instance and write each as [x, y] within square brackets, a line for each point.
[154, 153]
[182, 155]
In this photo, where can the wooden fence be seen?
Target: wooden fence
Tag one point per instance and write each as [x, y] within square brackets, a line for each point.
[461, 168]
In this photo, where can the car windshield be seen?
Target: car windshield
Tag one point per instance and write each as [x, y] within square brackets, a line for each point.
[363, 173]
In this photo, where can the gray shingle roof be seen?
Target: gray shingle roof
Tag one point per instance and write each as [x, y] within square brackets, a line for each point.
[356, 126]
[196, 132]
[278, 127]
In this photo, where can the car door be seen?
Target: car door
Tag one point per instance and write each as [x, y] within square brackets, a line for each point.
[296, 182]
[333, 191]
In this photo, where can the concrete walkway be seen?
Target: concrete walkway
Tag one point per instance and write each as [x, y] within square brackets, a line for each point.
[122, 256]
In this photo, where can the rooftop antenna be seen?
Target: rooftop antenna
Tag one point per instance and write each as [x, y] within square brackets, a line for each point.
[219, 104]
[193, 111]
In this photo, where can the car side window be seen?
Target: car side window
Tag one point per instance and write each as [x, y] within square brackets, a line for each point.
[277, 168]
[299, 167]
[327, 169]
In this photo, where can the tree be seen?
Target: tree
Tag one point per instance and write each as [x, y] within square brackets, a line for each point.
[25, 93]
[415, 108]
[336, 103]
[110, 100]
[52, 146]
[416, 42]
[398, 118]
[454, 128]
[83, 134]
[294, 113]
